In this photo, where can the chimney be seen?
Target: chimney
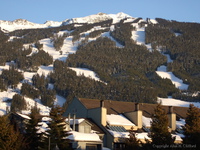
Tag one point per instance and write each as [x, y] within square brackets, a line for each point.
[170, 109]
[102, 103]
[135, 116]
[136, 106]
[172, 118]
[74, 122]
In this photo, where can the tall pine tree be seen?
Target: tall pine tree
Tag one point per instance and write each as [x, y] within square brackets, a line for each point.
[57, 132]
[159, 127]
[192, 126]
[33, 137]
[9, 138]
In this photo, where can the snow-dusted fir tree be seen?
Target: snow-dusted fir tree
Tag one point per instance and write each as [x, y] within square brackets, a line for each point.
[192, 126]
[32, 127]
[132, 142]
[159, 127]
[57, 132]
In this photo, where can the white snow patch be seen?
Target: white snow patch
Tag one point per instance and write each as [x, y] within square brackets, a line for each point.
[5, 95]
[138, 35]
[153, 21]
[45, 70]
[176, 102]
[86, 72]
[161, 71]
[180, 123]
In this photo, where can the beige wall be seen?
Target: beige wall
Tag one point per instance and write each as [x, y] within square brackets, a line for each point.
[135, 117]
[98, 115]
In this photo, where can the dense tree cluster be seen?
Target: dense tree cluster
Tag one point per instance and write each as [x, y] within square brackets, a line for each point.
[11, 77]
[29, 91]
[18, 103]
[181, 41]
[34, 35]
[122, 32]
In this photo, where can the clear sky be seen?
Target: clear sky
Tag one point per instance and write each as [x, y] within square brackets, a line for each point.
[39, 11]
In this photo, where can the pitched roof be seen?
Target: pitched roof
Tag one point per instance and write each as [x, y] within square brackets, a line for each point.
[118, 107]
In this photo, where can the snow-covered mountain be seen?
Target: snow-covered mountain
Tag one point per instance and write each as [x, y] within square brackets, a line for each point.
[138, 35]
[8, 26]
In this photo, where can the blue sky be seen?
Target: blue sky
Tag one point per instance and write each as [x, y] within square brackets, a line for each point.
[39, 11]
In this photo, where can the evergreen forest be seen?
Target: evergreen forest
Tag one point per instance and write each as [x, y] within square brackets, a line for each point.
[126, 73]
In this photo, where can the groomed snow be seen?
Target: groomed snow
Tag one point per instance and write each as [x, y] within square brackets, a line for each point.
[118, 120]
[175, 102]
[86, 72]
[162, 72]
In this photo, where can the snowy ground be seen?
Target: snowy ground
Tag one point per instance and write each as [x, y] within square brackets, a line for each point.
[175, 102]
[162, 72]
[69, 48]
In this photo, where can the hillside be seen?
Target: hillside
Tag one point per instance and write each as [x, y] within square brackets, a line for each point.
[102, 56]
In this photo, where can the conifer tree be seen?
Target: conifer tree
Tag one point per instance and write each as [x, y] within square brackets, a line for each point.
[192, 126]
[57, 129]
[18, 103]
[33, 137]
[9, 138]
[159, 127]
[132, 142]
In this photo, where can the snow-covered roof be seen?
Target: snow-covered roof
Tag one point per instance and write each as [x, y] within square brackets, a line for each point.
[24, 116]
[77, 121]
[77, 136]
[118, 120]
[143, 135]
[119, 134]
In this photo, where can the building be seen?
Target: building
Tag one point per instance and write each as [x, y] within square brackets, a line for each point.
[85, 134]
[115, 118]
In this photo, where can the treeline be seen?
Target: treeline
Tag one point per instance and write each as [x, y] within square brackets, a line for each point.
[15, 51]
[122, 32]
[33, 35]
[181, 41]
[85, 27]
[10, 78]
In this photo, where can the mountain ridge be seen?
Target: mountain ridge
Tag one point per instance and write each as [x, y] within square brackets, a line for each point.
[8, 26]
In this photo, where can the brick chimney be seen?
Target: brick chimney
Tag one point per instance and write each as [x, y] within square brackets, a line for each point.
[172, 118]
